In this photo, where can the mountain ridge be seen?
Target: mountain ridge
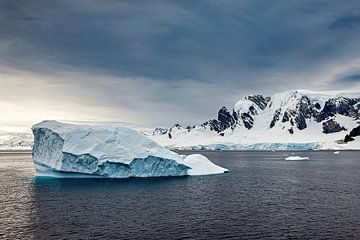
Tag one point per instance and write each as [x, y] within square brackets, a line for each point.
[292, 111]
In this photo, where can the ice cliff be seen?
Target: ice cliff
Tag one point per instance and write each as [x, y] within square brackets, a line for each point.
[68, 150]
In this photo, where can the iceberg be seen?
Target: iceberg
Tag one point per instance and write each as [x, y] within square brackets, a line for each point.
[108, 151]
[296, 158]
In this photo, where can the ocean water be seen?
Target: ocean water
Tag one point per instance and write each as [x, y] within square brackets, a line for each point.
[262, 197]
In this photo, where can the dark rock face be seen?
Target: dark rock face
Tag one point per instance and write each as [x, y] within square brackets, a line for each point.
[259, 100]
[354, 133]
[176, 126]
[331, 126]
[341, 105]
[275, 117]
[214, 125]
[300, 121]
[225, 119]
[160, 131]
[348, 138]
[291, 131]
[247, 120]
[306, 110]
[245, 117]
[190, 127]
[298, 115]
[286, 117]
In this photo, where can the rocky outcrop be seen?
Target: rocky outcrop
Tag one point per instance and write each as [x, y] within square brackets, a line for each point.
[275, 117]
[342, 105]
[331, 126]
[160, 131]
[225, 119]
[354, 133]
[259, 100]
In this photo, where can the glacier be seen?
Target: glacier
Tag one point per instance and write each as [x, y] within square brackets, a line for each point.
[251, 147]
[108, 151]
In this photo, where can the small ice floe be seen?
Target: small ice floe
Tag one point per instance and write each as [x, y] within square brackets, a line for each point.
[336, 152]
[296, 158]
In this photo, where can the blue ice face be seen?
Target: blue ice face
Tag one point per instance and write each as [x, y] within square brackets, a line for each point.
[258, 146]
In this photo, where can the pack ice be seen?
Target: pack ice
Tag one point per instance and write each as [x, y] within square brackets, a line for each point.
[71, 150]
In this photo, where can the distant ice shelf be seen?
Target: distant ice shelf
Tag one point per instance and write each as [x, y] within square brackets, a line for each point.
[68, 150]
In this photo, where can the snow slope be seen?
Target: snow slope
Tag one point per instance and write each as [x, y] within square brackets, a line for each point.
[291, 120]
[67, 150]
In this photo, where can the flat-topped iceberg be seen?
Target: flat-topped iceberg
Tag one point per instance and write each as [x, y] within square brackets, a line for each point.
[69, 150]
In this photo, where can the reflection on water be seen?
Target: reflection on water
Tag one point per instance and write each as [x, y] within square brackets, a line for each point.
[262, 196]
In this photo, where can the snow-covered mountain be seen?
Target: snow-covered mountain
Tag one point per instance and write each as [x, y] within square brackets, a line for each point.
[16, 140]
[296, 119]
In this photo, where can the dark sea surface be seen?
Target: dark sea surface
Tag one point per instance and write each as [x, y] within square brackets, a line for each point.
[262, 197]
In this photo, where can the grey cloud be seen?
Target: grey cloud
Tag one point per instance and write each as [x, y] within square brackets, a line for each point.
[192, 55]
[353, 78]
[348, 22]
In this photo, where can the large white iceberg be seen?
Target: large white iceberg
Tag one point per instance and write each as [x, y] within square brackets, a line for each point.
[69, 150]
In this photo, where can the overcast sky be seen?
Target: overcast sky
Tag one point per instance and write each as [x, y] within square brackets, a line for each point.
[154, 63]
